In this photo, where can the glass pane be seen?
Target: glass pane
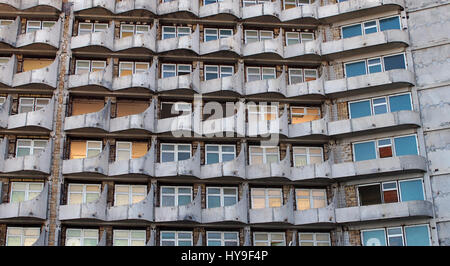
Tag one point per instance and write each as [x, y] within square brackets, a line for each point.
[411, 190]
[417, 236]
[360, 109]
[374, 238]
[184, 200]
[364, 151]
[355, 69]
[400, 102]
[229, 201]
[213, 201]
[168, 201]
[390, 23]
[351, 31]
[18, 196]
[212, 158]
[405, 146]
[90, 197]
[394, 62]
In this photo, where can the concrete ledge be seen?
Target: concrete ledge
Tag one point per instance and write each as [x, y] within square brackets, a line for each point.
[27, 4]
[98, 164]
[190, 82]
[281, 169]
[142, 210]
[143, 40]
[188, 167]
[130, 5]
[277, 85]
[145, 80]
[99, 120]
[103, 78]
[315, 127]
[300, 12]
[272, 9]
[50, 36]
[144, 165]
[47, 76]
[80, 5]
[191, 212]
[283, 214]
[190, 42]
[33, 209]
[315, 216]
[179, 6]
[230, 44]
[311, 172]
[8, 70]
[143, 121]
[100, 39]
[234, 168]
[314, 87]
[274, 46]
[302, 49]
[231, 7]
[233, 83]
[40, 162]
[8, 34]
[94, 210]
[234, 213]
[42, 118]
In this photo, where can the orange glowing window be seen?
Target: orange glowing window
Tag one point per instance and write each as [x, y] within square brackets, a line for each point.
[85, 106]
[304, 114]
[129, 107]
[35, 63]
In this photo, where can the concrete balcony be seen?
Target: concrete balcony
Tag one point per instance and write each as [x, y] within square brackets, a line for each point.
[383, 166]
[315, 216]
[125, 6]
[39, 163]
[41, 119]
[27, 4]
[87, 211]
[304, 50]
[236, 213]
[176, 125]
[191, 212]
[178, 6]
[189, 83]
[278, 126]
[46, 77]
[4, 112]
[188, 167]
[41, 38]
[306, 129]
[381, 122]
[93, 165]
[143, 121]
[234, 168]
[307, 89]
[231, 45]
[12, 3]
[189, 43]
[271, 48]
[283, 214]
[81, 5]
[7, 71]
[232, 84]
[141, 211]
[226, 126]
[144, 42]
[356, 8]
[8, 34]
[378, 212]
[312, 172]
[277, 85]
[42, 240]
[281, 169]
[102, 79]
[373, 42]
[98, 121]
[299, 13]
[95, 41]
[144, 165]
[31, 209]
[257, 12]
[220, 9]
[372, 82]
[145, 80]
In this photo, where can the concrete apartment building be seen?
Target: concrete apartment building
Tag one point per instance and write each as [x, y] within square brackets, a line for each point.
[355, 93]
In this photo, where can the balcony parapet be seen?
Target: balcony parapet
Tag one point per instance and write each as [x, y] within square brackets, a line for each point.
[311, 172]
[299, 12]
[7, 71]
[266, 9]
[47, 76]
[49, 36]
[130, 5]
[229, 125]
[4, 112]
[274, 46]
[315, 216]
[143, 40]
[190, 42]
[191, 212]
[42, 118]
[80, 5]
[277, 85]
[230, 44]
[142, 210]
[234, 213]
[97, 164]
[233, 168]
[31, 209]
[408, 209]
[144, 165]
[281, 169]
[94, 210]
[188, 167]
[314, 87]
[9, 33]
[145, 80]
[232, 84]
[103, 39]
[283, 214]
[227, 7]
[314, 127]
[98, 120]
[143, 121]
[179, 6]
[277, 126]
[309, 48]
[190, 82]
[42, 240]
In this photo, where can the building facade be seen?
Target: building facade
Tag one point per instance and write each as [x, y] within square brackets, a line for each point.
[233, 122]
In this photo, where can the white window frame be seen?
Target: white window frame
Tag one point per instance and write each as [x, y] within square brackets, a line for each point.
[94, 27]
[405, 180]
[258, 35]
[176, 239]
[221, 195]
[91, 65]
[219, 70]
[363, 28]
[175, 151]
[177, 69]
[311, 197]
[261, 72]
[135, 29]
[2, 100]
[130, 193]
[267, 197]
[33, 148]
[308, 154]
[6, 20]
[41, 24]
[82, 237]
[129, 238]
[220, 151]
[94, 148]
[366, 62]
[222, 237]
[83, 193]
[368, 230]
[291, 75]
[315, 242]
[269, 238]
[175, 194]
[130, 150]
[402, 235]
[416, 225]
[264, 153]
[22, 235]
[27, 190]
[35, 104]
[372, 105]
[305, 108]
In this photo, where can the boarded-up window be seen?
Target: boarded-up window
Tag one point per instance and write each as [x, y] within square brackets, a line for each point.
[139, 149]
[35, 63]
[77, 149]
[84, 106]
[131, 107]
[304, 114]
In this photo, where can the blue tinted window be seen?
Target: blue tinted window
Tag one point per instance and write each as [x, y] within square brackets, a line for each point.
[351, 31]
[355, 69]
[394, 62]
[400, 102]
[364, 151]
[411, 190]
[390, 23]
[370, 27]
[405, 146]
[360, 109]
[417, 235]
[374, 238]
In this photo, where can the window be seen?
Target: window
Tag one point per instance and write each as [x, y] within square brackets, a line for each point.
[222, 238]
[129, 194]
[207, 2]
[23, 191]
[130, 68]
[129, 237]
[295, 3]
[123, 150]
[298, 37]
[264, 155]
[172, 70]
[215, 34]
[266, 198]
[26, 147]
[310, 198]
[173, 109]
[260, 73]
[314, 239]
[268, 239]
[85, 28]
[83, 193]
[382, 148]
[216, 71]
[307, 155]
[93, 148]
[257, 35]
[219, 153]
[176, 238]
[172, 32]
[296, 75]
[130, 30]
[81, 237]
[393, 103]
[374, 65]
[411, 190]
[34, 25]
[22, 236]
[86, 66]
[2, 100]
[4, 61]
[304, 114]
[371, 27]
[175, 152]
[175, 196]
[413, 235]
[32, 104]
[221, 196]
[5, 22]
